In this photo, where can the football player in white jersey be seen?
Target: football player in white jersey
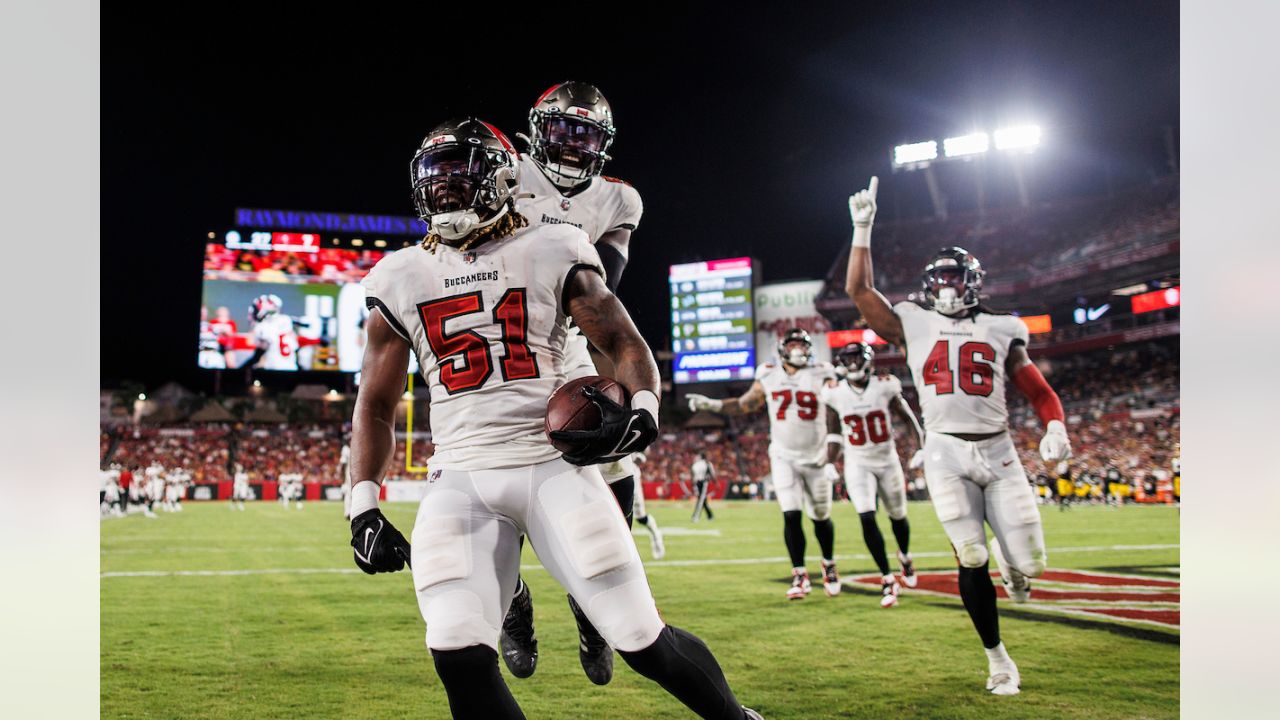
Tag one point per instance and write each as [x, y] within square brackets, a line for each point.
[240, 490]
[704, 473]
[570, 131]
[276, 342]
[858, 423]
[960, 357]
[211, 355]
[802, 476]
[485, 303]
[344, 472]
[657, 547]
[155, 488]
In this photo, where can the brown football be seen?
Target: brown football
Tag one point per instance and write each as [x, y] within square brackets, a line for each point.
[569, 409]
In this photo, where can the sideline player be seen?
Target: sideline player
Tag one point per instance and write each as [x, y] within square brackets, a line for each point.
[240, 490]
[344, 471]
[704, 473]
[275, 340]
[657, 548]
[570, 131]
[960, 357]
[802, 477]
[858, 422]
[155, 488]
[484, 303]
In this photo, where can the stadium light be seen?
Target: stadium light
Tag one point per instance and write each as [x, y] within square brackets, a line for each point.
[357, 242]
[915, 152]
[142, 396]
[257, 383]
[966, 145]
[1015, 138]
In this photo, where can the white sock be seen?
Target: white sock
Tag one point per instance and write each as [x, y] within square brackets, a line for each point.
[998, 656]
[798, 571]
[887, 579]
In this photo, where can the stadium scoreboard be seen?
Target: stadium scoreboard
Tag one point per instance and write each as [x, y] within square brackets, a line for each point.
[712, 321]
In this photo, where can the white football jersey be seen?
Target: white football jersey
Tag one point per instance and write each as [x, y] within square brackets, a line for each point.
[958, 367]
[607, 203]
[277, 333]
[488, 327]
[701, 470]
[797, 425]
[865, 419]
[242, 479]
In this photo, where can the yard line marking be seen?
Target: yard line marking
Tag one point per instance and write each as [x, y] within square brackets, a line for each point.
[652, 563]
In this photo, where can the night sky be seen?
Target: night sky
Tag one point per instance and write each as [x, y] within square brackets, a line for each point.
[744, 131]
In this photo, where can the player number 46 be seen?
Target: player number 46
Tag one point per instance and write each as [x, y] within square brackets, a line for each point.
[976, 368]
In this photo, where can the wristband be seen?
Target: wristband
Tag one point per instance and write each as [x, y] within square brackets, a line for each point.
[862, 236]
[648, 401]
[835, 439]
[364, 497]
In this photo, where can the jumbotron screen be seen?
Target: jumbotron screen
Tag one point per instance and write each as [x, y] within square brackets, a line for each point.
[314, 313]
[712, 321]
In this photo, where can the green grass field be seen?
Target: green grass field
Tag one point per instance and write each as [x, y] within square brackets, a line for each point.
[261, 614]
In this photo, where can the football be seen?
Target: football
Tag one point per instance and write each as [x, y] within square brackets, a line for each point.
[569, 409]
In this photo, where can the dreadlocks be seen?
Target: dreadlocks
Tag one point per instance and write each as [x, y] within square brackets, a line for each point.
[504, 226]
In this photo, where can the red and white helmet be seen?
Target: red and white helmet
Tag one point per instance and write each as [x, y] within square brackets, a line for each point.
[463, 175]
[570, 131]
[264, 306]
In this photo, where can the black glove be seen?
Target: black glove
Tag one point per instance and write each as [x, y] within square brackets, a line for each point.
[622, 431]
[379, 546]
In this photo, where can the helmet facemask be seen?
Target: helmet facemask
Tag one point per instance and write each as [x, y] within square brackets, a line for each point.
[856, 361]
[461, 187]
[571, 149]
[953, 289]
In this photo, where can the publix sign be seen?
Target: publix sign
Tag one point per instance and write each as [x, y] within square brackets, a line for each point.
[782, 306]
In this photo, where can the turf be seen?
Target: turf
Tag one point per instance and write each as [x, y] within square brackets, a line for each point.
[324, 644]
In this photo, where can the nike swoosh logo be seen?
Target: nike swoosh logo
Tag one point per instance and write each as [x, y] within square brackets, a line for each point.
[1008, 463]
[622, 446]
[369, 543]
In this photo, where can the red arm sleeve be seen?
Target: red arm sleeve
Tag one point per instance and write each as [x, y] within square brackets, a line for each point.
[1031, 383]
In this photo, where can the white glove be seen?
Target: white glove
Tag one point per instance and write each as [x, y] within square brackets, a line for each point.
[831, 472]
[702, 402]
[917, 461]
[862, 210]
[1055, 446]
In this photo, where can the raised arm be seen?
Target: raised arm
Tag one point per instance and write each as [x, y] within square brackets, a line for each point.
[749, 402]
[859, 283]
[1054, 446]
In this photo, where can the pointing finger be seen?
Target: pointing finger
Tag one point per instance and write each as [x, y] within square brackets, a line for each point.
[875, 185]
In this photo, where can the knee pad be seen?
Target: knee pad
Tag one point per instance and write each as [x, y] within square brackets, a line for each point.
[593, 539]
[972, 555]
[1039, 562]
[626, 615]
[455, 619]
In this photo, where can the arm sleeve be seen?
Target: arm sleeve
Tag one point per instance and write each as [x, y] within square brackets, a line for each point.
[614, 262]
[1031, 382]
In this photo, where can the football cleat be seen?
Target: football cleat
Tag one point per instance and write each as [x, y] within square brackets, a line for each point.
[908, 570]
[656, 547]
[830, 580]
[800, 585]
[518, 642]
[1016, 585]
[593, 652]
[889, 592]
[752, 714]
[1004, 680]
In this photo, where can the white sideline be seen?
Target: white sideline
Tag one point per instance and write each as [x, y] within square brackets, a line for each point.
[658, 563]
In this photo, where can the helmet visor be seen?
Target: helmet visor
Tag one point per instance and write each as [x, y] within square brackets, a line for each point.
[952, 277]
[447, 178]
[573, 141]
[852, 358]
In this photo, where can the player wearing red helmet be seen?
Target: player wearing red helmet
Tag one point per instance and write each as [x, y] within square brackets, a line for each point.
[961, 356]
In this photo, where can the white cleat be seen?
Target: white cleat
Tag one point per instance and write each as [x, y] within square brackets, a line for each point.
[908, 570]
[830, 579]
[889, 589]
[1004, 681]
[656, 547]
[1016, 585]
[800, 585]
